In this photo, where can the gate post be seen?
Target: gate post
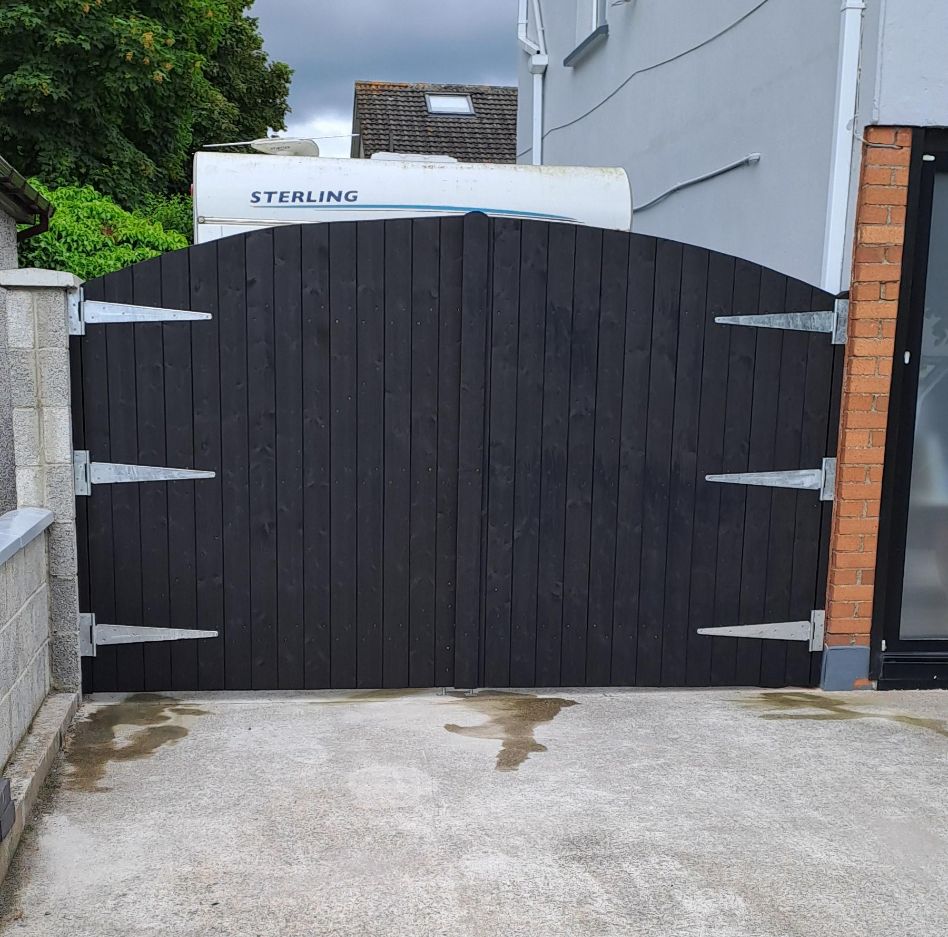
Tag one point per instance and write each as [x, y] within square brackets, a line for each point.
[38, 351]
[873, 310]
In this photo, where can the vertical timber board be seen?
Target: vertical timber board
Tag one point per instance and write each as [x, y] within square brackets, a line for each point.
[636, 376]
[658, 454]
[126, 513]
[835, 376]
[502, 428]
[317, 611]
[579, 466]
[288, 400]
[783, 509]
[816, 392]
[763, 434]
[82, 504]
[397, 452]
[232, 329]
[555, 416]
[425, 270]
[805, 560]
[343, 452]
[711, 421]
[605, 473]
[682, 487]
[471, 444]
[150, 373]
[101, 555]
[449, 383]
[261, 403]
[371, 402]
[531, 337]
[179, 442]
[208, 508]
[733, 498]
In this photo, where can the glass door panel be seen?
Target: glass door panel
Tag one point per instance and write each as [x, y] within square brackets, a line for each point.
[925, 584]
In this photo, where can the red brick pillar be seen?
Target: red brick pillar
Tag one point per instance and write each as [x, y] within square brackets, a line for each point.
[874, 304]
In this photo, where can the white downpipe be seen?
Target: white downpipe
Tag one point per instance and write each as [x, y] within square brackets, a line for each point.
[526, 43]
[541, 32]
[538, 63]
[847, 87]
[537, 152]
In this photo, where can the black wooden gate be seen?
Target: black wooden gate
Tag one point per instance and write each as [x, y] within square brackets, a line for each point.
[452, 452]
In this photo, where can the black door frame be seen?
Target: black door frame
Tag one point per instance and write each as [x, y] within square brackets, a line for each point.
[898, 663]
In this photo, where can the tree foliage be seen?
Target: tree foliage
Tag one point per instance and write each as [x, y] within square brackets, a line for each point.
[118, 93]
[89, 235]
[248, 94]
[172, 212]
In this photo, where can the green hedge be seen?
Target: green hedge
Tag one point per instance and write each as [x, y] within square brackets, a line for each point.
[90, 235]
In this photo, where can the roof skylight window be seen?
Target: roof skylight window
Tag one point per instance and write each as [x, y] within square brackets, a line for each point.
[450, 104]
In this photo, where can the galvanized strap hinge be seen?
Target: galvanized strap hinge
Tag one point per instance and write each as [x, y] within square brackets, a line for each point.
[88, 473]
[822, 479]
[83, 312]
[93, 635]
[834, 321]
[810, 631]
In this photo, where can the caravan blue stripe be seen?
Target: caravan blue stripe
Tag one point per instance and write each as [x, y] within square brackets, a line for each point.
[455, 208]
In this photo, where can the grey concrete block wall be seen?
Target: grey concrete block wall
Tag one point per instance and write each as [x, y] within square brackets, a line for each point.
[9, 380]
[24, 641]
[8, 257]
[41, 423]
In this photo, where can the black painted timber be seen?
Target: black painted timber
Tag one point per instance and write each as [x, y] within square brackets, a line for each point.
[453, 452]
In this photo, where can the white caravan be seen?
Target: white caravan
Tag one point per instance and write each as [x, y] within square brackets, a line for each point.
[236, 192]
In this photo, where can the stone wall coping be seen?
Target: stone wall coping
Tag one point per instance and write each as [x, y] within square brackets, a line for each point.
[20, 527]
[35, 278]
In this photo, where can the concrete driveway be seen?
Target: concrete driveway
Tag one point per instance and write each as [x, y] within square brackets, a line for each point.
[726, 813]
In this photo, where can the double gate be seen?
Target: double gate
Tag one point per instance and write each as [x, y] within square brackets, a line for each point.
[452, 452]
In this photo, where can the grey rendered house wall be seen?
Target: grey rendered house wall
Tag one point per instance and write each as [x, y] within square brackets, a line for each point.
[905, 78]
[767, 84]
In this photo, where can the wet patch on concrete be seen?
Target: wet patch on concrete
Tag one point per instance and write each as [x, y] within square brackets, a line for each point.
[96, 742]
[512, 719]
[801, 706]
[371, 696]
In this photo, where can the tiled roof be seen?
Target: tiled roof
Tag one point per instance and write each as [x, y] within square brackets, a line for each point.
[393, 117]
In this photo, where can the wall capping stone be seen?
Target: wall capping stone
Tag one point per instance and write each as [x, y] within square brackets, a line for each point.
[20, 527]
[35, 278]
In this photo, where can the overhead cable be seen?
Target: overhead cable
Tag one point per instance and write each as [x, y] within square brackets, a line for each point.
[648, 68]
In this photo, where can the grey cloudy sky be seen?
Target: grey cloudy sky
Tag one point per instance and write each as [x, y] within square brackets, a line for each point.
[332, 43]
